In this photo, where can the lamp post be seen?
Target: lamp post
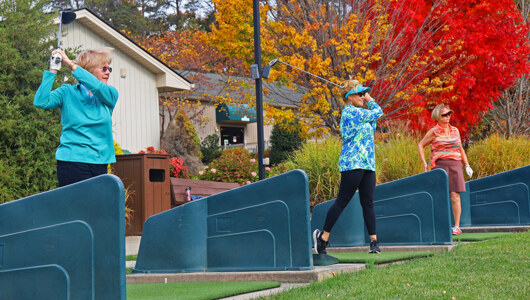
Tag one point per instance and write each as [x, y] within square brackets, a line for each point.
[256, 74]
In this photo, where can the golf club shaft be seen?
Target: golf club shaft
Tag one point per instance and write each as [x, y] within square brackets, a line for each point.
[59, 34]
[310, 73]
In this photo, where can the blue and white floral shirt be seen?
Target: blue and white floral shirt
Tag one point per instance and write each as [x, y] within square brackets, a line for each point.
[357, 127]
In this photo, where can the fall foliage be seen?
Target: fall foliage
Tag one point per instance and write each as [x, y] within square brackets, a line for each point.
[414, 54]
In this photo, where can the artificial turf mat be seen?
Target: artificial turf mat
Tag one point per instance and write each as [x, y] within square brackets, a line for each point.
[195, 290]
[479, 236]
[381, 258]
[131, 257]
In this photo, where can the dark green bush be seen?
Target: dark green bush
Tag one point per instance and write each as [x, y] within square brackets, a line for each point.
[284, 140]
[28, 136]
[210, 148]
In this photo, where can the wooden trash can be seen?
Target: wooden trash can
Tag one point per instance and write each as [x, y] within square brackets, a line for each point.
[146, 176]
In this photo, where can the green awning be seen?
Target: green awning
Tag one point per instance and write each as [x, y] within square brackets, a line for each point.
[235, 112]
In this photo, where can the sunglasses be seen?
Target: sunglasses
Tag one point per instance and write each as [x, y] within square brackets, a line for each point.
[105, 69]
[361, 94]
[447, 114]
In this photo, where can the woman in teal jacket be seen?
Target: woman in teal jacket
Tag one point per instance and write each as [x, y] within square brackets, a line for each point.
[356, 162]
[86, 144]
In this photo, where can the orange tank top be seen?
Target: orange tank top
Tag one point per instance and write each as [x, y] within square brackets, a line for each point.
[446, 144]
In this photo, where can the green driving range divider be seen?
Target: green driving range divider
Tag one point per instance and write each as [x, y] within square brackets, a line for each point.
[67, 243]
[411, 211]
[260, 226]
[497, 200]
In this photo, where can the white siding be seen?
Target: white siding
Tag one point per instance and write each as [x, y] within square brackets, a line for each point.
[136, 117]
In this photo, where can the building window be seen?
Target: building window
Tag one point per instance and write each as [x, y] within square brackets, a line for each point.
[232, 135]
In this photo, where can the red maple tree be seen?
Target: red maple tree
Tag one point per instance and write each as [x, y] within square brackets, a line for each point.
[496, 50]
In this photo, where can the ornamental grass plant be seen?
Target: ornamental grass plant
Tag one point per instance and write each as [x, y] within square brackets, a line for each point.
[496, 154]
[319, 160]
[396, 155]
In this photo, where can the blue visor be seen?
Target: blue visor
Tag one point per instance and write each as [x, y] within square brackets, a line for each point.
[359, 89]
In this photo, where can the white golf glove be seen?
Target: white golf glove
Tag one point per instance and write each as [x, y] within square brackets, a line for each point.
[469, 171]
[55, 61]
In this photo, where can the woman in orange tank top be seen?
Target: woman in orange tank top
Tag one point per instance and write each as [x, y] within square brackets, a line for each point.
[447, 154]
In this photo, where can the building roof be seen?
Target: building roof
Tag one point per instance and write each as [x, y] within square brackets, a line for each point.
[167, 79]
[219, 85]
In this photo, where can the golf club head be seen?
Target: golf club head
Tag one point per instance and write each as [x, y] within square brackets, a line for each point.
[273, 62]
[67, 17]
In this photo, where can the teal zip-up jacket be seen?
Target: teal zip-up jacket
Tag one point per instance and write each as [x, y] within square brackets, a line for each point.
[86, 119]
[357, 127]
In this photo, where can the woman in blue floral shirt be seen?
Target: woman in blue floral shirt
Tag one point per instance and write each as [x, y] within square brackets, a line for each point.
[356, 163]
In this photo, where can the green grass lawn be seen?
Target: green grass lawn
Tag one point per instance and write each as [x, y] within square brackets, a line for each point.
[194, 290]
[493, 269]
[381, 258]
[479, 236]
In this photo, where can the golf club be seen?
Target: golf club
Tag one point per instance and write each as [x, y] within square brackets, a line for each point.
[65, 17]
[266, 71]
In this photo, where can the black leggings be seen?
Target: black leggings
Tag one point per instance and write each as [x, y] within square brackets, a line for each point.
[349, 182]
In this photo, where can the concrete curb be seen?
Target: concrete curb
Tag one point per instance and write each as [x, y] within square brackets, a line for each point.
[306, 276]
[479, 229]
[284, 287]
[410, 248]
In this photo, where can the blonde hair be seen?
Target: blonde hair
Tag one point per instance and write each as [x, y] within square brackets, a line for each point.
[347, 86]
[437, 111]
[93, 58]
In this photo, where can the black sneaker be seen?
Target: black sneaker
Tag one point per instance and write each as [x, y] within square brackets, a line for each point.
[374, 247]
[319, 243]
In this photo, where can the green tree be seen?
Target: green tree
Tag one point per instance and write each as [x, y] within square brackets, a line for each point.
[210, 148]
[284, 140]
[28, 136]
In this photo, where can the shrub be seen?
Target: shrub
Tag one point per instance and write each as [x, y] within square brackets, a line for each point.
[210, 148]
[152, 149]
[396, 156]
[320, 162]
[177, 168]
[284, 142]
[117, 149]
[28, 136]
[234, 165]
[496, 154]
